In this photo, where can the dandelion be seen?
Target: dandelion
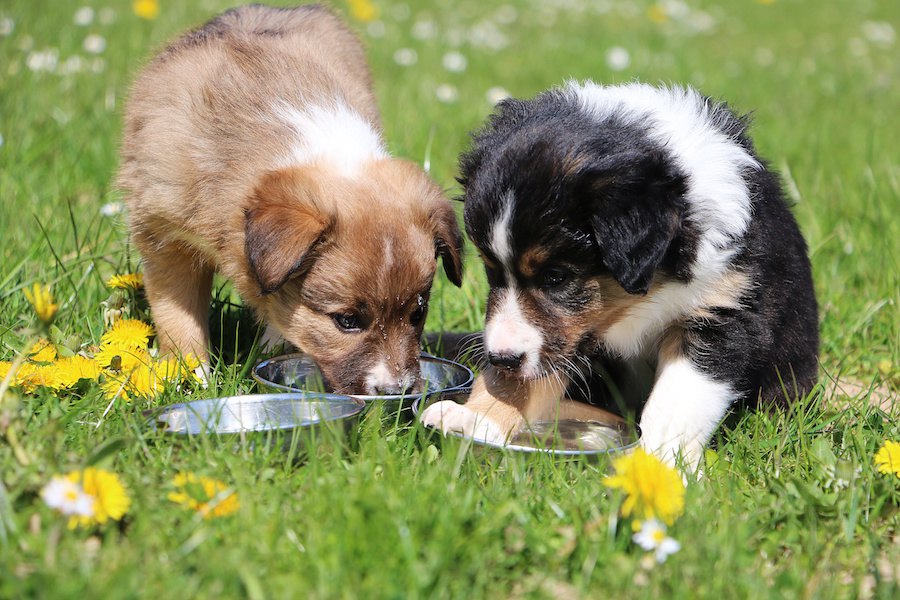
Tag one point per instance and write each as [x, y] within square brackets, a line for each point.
[41, 300]
[72, 369]
[146, 9]
[121, 358]
[111, 209]
[128, 333]
[42, 351]
[657, 13]
[7, 26]
[209, 497]
[496, 94]
[454, 62]
[446, 93]
[68, 497]
[5, 366]
[94, 44]
[618, 58]
[887, 459]
[406, 57]
[653, 489]
[363, 10]
[84, 16]
[127, 281]
[652, 536]
[110, 498]
[31, 376]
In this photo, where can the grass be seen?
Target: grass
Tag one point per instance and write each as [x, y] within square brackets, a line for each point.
[790, 505]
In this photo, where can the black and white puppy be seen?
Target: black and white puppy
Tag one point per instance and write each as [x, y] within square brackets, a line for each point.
[633, 223]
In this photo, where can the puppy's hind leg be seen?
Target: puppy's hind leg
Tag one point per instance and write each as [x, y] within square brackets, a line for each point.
[179, 288]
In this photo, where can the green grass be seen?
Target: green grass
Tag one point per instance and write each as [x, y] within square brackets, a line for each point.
[790, 505]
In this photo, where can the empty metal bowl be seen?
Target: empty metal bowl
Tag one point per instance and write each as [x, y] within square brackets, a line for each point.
[298, 372]
[605, 433]
[258, 413]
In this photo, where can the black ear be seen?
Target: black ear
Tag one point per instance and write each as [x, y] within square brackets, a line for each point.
[636, 201]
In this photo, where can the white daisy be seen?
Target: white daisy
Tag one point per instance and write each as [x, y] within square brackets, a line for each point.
[652, 536]
[84, 16]
[68, 498]
[94, 44]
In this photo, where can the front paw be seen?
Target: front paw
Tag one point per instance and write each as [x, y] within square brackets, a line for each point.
[449, 417]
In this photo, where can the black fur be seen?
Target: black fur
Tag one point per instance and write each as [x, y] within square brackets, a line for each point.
[604, 198]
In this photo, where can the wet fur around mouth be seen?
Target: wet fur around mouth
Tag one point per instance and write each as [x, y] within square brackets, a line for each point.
[632, 225]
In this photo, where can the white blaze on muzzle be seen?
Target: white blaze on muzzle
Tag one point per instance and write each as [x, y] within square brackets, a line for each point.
[508, 332]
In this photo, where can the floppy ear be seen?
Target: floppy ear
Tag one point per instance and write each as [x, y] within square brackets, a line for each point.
[282, 225]
[448, 240]
[636, 203]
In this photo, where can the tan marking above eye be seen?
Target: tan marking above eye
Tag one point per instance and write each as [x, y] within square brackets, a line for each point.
[532, 260]
[488, 262]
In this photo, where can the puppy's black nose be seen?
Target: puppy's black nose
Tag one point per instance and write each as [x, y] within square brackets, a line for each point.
[506, 361]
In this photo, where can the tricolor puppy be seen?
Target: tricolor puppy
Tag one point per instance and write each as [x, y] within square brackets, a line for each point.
[636, 224]
[253, 148]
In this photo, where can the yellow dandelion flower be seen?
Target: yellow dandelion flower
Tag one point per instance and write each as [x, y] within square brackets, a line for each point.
[110, 497]
[42, 351]
[209, 497]
[146, 9]
[41, 300]
[121, 357]
[653, 489]
[31, 376]
[5, 366]
[127, 281]
[182, 367]
[887, 459]
[363, 10]
[657, 14]
[128, 333]
[141, 382]
[72, 369]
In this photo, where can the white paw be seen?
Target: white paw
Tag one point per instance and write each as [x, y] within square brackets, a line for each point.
[449, 417]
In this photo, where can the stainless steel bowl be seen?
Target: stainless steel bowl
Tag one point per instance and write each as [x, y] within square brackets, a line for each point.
[258, 413]
[298, 372]
[604, 433]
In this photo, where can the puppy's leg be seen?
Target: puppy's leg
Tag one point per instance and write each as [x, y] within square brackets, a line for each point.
[498, 407]
[179, 289]
[684, 409]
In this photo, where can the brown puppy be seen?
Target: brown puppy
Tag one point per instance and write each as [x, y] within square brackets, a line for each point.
[253, 147]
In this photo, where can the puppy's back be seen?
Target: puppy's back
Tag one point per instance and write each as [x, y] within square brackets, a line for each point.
[202, 122]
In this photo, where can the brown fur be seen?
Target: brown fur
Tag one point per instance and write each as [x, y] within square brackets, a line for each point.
[208, 189]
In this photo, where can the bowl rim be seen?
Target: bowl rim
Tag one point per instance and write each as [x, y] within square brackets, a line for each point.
[298, 396]
[470, 378]
[518, 448]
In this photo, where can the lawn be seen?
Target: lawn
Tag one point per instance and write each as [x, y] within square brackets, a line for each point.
[791, 503]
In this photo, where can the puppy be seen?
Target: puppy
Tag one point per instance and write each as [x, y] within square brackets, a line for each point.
[253, 147]
[635, 224]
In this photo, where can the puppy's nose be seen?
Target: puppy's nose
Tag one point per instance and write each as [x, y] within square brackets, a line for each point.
[506, 361]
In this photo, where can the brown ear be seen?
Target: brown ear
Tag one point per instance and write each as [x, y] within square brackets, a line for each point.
[282, 226]
[448, 240]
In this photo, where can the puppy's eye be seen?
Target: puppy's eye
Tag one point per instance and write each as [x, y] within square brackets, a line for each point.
[418, 315]
[554, 277]
[349, 322]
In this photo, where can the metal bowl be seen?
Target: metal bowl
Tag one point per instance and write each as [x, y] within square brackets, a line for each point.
[604, 433]
[298, 372]
[257, 413]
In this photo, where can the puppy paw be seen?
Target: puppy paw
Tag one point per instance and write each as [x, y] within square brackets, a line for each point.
[449, 417]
